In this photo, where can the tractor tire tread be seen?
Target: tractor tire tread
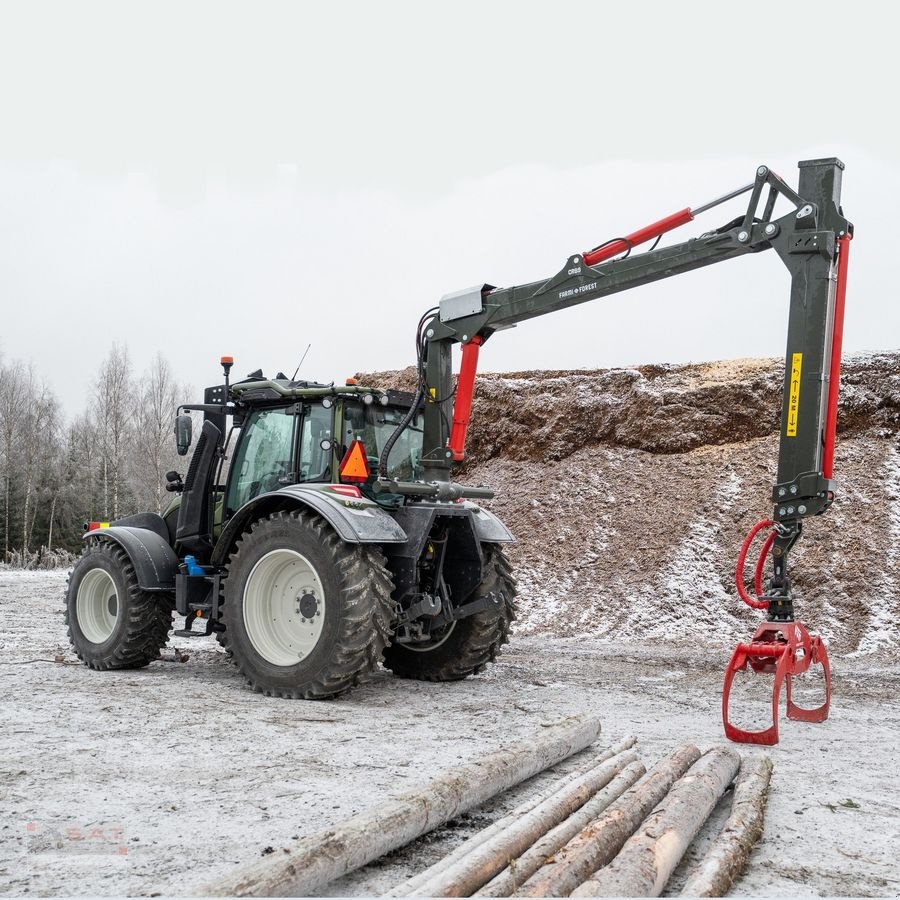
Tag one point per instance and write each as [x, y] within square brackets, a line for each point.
[365, 580]
[149, 618]
[487, 632]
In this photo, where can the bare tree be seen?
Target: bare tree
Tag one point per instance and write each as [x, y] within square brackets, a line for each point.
[113, 415]
[107, 463]
[82, 460]
[39, 433]
[160, 396]
[14, 399]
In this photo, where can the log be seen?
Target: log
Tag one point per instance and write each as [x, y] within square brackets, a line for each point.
[522, 868]
[600, 841]
[643, 866]
[469, 873]
[407, 888]
[727, 857]
[316, 860]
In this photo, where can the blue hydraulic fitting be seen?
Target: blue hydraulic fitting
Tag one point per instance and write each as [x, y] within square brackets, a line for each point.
[193, 567]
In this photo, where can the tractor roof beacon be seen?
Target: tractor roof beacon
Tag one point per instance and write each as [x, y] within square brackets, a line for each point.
[335, 536]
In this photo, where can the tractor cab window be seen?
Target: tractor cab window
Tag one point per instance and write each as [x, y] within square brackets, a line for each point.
[373, 425]
[315, 460]
[263, 460]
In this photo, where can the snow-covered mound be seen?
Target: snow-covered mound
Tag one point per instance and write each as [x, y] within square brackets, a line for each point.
[630, 491]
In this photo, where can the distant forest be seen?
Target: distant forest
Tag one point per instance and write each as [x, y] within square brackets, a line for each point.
[109, 462]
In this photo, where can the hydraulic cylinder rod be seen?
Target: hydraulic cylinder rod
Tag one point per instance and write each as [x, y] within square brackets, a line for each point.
[656, 229]
[465, 389]
[641, 236]
[834, 377]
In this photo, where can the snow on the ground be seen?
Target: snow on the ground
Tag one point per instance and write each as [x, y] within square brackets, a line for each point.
[134, 783]
[883, 630]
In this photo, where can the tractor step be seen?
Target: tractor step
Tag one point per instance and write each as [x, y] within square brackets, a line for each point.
[188, 630]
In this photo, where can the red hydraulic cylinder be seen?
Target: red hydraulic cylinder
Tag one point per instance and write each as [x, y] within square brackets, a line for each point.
[834, 375]
[641, 236]
[465, 389]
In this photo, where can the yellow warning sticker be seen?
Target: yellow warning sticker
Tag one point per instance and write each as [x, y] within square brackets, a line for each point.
[793, 411]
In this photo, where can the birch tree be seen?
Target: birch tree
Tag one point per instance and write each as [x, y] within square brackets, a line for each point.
[38, 432]
[160, 396]
[13, 404]
[113, 417]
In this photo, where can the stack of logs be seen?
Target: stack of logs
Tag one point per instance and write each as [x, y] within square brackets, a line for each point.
[610, 829]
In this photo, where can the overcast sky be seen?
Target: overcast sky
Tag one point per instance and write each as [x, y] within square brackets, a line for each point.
[251, 178]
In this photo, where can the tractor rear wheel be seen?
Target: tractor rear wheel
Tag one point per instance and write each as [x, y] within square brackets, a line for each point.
[467, 645]
[305, 613]
[112, 623]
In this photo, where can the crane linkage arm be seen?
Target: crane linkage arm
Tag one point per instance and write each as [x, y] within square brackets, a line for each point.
[812, 240]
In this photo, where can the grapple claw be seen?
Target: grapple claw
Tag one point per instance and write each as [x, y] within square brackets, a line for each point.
[818, 655]
[784, 649]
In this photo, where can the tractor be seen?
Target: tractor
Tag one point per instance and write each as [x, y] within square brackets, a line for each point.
[278, 542]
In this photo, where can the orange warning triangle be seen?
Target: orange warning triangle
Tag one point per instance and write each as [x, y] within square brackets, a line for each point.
[354, 466]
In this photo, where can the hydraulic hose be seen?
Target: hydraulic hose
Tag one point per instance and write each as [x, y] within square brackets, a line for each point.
[404, 424]
[417, 400]
[751, 601]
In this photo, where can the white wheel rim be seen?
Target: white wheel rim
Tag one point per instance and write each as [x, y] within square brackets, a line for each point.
[284, 607]
[97, 605]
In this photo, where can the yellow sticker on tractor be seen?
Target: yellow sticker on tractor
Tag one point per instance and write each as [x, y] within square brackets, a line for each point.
[794, 395]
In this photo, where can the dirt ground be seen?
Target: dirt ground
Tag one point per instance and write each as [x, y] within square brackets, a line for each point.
[154, 781]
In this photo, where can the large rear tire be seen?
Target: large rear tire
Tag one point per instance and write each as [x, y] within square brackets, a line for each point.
[112, 623]
[467, 645]
[306, 615]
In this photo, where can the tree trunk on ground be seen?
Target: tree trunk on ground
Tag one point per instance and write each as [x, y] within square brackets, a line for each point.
[320, 858]
[472, 871]
[597, 844]
[411, 886]
[644, 864]
[729, 853]
[521, 869]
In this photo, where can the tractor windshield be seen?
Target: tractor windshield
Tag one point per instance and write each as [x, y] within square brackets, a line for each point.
[373, 425]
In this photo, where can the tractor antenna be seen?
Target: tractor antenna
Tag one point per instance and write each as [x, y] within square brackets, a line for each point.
[294, 376]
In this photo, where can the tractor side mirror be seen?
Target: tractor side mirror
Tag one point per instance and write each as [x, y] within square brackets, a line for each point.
[184, 429]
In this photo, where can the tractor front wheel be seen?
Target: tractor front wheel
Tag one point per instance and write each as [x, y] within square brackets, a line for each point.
[305, 614]
[465, 646]
[112, 623]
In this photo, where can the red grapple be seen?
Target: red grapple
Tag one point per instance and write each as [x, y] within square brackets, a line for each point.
[785, 649]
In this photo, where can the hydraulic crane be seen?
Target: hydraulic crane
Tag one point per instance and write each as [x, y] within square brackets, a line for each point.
[812, 239]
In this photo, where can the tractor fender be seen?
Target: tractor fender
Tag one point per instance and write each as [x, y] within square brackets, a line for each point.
[355, 522]
[488, 527]
[155, 563]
